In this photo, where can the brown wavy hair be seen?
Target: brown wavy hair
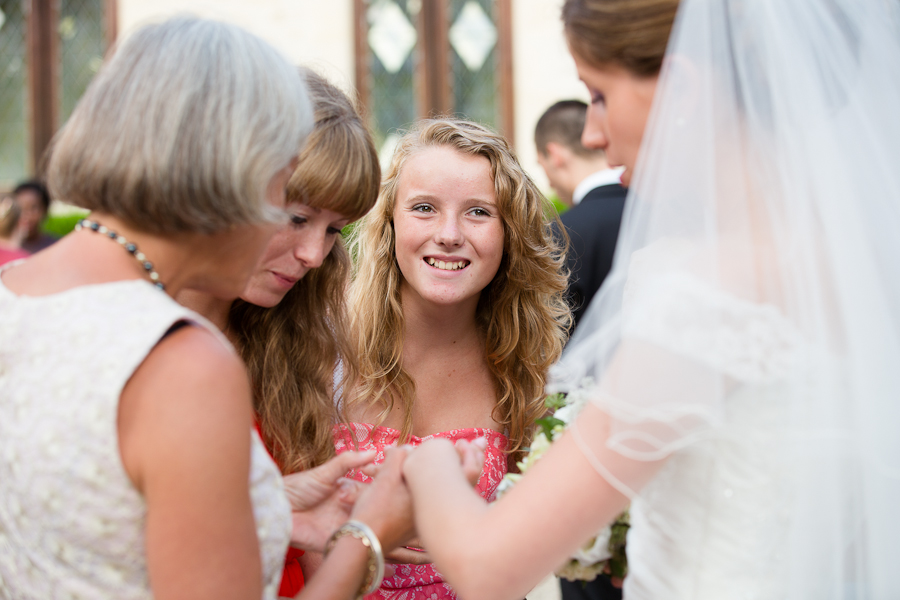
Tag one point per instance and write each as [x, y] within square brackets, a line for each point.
[630, 33]
[292, 349]
[522, 312]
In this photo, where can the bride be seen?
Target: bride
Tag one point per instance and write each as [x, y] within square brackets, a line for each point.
[741, 359]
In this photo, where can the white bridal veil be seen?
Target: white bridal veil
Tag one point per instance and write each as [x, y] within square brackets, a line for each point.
[756, 285]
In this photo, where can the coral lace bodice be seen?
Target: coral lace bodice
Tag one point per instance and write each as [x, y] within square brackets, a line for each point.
[415, 582]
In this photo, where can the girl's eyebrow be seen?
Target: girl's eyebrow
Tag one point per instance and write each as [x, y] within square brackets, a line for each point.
[419, 198]
[482, 201]
[468, 201]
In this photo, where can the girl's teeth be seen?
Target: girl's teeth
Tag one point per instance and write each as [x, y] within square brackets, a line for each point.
[446, 266]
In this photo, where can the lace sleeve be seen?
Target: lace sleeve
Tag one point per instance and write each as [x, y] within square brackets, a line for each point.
[748, 342]
[685, 349]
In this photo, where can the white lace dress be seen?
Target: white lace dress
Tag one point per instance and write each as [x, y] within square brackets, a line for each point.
[71, 522]
[713, 524]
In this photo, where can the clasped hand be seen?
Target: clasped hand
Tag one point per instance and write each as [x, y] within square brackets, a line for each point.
[322, 499]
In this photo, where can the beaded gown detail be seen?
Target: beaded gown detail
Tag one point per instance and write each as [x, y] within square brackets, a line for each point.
[71, 521]
[421, 582]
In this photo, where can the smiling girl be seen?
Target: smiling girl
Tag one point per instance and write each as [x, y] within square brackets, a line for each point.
[457, 310]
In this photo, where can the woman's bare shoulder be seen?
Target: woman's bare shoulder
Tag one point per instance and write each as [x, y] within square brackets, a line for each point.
[189, 396]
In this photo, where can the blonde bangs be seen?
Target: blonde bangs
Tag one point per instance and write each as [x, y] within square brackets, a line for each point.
[338, 167]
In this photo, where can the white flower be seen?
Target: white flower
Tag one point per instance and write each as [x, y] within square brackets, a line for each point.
[596, 549]
[539, 446]
[575, 571]
[589, 561]
[507, 482]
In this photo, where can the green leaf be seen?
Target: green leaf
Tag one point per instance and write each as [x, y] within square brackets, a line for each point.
[548, 424]
[555, 401]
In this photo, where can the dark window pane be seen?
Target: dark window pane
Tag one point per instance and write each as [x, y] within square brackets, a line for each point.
[13, 93]
[473, 60]
[82, 42]
[392, 37]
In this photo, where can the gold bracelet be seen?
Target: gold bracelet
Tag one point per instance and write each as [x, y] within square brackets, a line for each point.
[375, 565]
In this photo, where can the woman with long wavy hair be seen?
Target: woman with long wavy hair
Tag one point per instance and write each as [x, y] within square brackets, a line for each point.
[292, 333]
[457, 309]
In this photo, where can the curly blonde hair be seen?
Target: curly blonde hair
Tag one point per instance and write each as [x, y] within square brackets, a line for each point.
[522, 313]
[292, 349]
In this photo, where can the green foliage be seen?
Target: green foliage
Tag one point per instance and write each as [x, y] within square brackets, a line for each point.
[346, 234]
[618, 563]
[62, 224]
[547, 424]
[555, 401]
[349, 229]
[552, 402]
[558, 205]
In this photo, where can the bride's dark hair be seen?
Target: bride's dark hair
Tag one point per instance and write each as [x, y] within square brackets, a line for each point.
[629, 33]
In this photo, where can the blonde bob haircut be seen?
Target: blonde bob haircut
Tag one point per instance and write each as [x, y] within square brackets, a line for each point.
[182, 130]
[291, 349]
[522, 312]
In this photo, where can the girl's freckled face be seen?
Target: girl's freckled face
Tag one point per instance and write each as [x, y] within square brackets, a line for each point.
[448, 228]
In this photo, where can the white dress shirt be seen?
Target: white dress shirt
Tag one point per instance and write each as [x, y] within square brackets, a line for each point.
[595, 180]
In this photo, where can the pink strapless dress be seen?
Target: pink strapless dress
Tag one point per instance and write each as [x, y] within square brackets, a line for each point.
[422, 582]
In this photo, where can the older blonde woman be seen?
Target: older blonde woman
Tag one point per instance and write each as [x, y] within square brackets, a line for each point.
[127, 456]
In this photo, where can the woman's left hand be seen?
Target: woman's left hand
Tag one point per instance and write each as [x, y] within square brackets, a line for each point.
[321, 499]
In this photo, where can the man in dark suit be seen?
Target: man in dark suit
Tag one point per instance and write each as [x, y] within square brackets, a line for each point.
[583, 181]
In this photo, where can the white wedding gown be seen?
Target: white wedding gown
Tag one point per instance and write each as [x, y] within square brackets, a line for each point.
[759, 351]
[713, 524]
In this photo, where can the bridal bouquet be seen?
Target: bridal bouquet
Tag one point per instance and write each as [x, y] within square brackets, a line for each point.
[605, 552]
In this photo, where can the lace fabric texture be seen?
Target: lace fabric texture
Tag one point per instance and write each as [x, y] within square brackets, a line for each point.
[422, 582]
[747, 342]
[714, 522]
[705, 339]
[71, 522]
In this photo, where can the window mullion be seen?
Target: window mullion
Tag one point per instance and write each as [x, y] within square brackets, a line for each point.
[43, 77]
[435, 94]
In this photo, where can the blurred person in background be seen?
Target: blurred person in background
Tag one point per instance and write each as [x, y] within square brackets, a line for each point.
[10, 248]
[34, 200]
[584, 181]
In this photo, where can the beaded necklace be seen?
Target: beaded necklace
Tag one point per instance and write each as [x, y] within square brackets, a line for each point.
[130, 247]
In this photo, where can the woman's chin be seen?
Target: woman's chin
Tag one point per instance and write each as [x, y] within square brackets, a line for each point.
[263, 299]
